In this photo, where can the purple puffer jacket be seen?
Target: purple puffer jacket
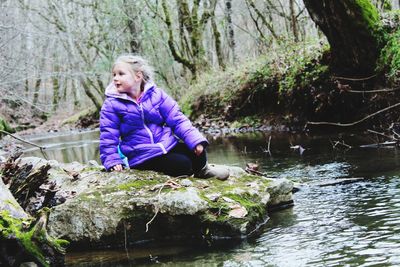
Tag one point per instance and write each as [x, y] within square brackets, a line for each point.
[143, 130]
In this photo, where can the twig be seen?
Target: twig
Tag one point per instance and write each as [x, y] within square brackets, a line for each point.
[248, 170]
[125, 242]
[353, 123]
[268, 147]
[398, 135]
[335, 143]
[382, 134]
[156, 207]
[354, 79]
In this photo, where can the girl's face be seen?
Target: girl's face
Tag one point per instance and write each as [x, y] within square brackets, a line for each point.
[125, 80]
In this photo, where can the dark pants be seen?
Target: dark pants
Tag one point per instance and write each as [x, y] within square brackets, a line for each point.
[179, 161]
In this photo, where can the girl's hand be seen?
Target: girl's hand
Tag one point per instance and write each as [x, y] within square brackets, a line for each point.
[117, 168]
[198, 149]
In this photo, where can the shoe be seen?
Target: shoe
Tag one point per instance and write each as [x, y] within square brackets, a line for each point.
[211, 170]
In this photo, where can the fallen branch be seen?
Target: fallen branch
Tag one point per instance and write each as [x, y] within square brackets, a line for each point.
[353, 123]
[381, 134]
[387, 143]
[42, 148]
[373, 91]
[22, 140]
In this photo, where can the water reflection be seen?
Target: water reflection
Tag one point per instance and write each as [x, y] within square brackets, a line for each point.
[344, 225]
[81, 146]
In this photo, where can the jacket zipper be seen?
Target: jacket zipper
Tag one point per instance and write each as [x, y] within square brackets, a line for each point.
[144, 124]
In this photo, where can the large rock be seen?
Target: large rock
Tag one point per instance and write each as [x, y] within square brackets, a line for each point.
[109, 209]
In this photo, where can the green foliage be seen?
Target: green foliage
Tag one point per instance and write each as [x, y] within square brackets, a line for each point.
[186, 108]
[389, 60]
[247, 120]
[4, 126]
[302, 72]
[387, 5]
[283, 69]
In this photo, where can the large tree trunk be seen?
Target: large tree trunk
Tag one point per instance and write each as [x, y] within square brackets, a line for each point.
[352, 31]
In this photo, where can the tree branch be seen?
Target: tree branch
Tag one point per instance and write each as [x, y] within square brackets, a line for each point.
[353, 123]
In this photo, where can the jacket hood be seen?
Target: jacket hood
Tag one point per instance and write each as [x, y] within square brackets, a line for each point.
[111, 91]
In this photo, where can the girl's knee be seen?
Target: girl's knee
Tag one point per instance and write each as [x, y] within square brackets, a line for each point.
[182, 167]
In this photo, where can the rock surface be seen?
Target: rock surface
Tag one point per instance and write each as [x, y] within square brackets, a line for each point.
[104, 209]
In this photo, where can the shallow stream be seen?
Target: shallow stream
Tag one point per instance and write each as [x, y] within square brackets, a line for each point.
[355, 224]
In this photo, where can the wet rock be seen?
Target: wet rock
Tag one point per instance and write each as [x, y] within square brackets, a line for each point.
[186, 202]
[186, 183]
[111, 207]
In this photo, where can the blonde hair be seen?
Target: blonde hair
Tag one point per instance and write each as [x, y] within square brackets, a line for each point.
[137, 64]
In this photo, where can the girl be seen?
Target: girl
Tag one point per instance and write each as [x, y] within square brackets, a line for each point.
[140, 121]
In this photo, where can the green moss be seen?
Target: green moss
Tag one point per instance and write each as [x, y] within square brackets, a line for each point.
[76, 117]
[10, 226]
[371, 23]
[24, 231]
[95, 196]
[369, 13]
[219, 210]
[138, 184]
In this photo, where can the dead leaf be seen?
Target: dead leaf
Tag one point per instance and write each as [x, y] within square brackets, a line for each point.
[238, 211]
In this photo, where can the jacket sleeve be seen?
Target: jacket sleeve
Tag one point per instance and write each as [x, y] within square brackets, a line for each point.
[179, 123]
[109, 136]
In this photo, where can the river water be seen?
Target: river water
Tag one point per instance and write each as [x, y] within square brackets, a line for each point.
[356, 224]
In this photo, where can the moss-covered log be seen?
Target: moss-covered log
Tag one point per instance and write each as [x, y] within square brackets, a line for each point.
[22, 239]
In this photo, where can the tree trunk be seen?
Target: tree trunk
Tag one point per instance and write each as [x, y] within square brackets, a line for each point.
[293, 21]
[56, 92]
[36, 92]
[351, 28]
[231, 32]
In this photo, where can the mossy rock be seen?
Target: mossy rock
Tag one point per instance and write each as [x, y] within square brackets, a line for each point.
[111, 208]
